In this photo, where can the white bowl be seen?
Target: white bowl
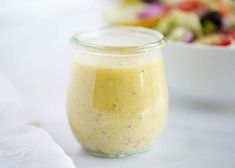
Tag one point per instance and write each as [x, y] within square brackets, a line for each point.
[202, 72]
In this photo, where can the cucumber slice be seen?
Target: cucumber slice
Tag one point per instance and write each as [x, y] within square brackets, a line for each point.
[189, 20]
[165, 25]
[177, 18]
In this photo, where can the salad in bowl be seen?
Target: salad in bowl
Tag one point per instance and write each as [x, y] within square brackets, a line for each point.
[210, 22]
[200, 55]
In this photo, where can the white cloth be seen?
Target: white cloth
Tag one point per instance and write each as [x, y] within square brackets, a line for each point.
[10, 102]
[29, 146]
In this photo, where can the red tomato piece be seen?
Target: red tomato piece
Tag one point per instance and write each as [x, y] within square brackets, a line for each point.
[190, 6]
[224, 42]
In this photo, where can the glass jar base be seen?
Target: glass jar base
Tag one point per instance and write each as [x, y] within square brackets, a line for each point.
[111, 155]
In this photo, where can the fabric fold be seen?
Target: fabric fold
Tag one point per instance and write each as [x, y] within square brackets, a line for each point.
[30, 146]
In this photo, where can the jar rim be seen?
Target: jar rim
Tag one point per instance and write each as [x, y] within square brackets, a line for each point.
[159, 40]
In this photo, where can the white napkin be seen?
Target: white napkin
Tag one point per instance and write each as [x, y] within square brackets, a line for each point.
[31, 147]
[10, 102]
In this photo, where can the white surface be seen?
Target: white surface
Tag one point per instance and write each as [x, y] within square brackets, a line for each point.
[35, 57]
[31, 147]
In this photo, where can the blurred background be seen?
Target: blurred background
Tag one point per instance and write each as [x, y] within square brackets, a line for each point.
[35, 62]
[35, 49]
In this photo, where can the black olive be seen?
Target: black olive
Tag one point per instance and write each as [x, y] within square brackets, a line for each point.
[150, 1]
[213, 17]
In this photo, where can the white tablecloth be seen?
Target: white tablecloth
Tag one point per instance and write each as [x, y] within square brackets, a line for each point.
[35, 58]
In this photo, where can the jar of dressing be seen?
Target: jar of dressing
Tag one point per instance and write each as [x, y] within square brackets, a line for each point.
[117, 98]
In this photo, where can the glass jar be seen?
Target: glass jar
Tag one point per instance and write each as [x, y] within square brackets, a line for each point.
[117, 99]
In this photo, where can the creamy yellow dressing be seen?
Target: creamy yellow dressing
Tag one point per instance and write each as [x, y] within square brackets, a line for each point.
[117, 110]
